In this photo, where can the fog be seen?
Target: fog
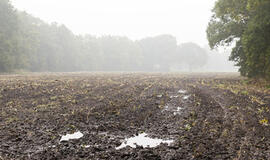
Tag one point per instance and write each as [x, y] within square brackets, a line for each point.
[119, 35]
[185, 19]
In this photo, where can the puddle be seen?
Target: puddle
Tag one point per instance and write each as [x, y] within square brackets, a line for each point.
[186, 97]
[174, 96]
[182, 91]
[166, 108]
[178, 110]
[52, 146]
[85, 146]
[170, 107]
[144, 141]
[68, 137]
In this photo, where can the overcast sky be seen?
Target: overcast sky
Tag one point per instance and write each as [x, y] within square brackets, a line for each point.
[136, 19]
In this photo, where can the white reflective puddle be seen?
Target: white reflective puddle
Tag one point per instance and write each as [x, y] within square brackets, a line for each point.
[174, 96]
[166, 108]
[186, 97]
[68, 137]
[53, 146]
[182, 91]
[178, 110]
[144, 141]
[85, 146]
[174, 109]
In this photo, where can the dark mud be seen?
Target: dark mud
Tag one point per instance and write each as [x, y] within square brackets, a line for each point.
[220, 116]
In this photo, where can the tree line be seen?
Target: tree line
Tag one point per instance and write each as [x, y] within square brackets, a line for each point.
[245, 24]
[30, 44]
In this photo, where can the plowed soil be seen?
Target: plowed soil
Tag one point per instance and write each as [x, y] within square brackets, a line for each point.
[209, 116]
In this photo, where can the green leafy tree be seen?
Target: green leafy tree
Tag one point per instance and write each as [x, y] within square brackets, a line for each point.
[28, 40]
[90, 53]
[245, 22]
[158, 52]
[8, 39]
[28, 43]
[119, 53]
[191, 56]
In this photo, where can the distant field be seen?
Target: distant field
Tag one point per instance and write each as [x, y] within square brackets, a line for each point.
[208, 115]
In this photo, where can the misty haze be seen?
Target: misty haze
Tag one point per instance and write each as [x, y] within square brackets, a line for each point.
[128, 79]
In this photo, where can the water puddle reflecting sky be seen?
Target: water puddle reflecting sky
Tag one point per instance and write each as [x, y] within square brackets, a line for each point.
[178, 110]
[68, 137]
[174, 96]
[182, 91]
[186, 97]
[144, 141]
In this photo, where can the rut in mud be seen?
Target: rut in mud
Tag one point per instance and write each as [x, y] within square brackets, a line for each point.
[90, 116]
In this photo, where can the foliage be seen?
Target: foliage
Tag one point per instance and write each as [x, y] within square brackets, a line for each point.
[247, 23]
[194, 56]
[8, 31]
[28, 43]
[163, 47]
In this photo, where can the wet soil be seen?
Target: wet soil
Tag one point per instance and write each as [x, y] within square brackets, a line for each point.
[219, 116]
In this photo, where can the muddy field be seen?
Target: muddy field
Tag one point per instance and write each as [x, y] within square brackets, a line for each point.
[200, 116]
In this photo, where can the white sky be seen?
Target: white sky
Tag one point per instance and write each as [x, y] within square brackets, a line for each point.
[185, 19]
